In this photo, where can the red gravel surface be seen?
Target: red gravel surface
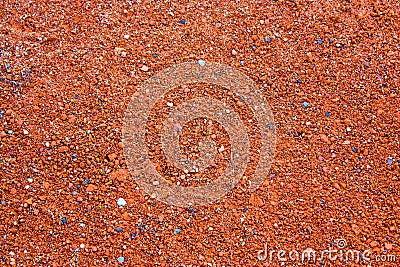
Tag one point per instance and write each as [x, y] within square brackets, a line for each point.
[328, 69]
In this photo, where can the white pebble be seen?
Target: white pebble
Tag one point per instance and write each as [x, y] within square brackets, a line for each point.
[170, 104]
[121, 202]
[201, 62]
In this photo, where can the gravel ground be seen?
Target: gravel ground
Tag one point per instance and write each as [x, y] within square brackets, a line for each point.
[328, 69]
